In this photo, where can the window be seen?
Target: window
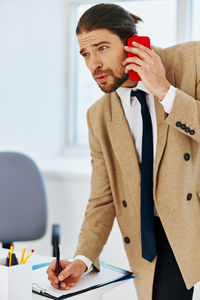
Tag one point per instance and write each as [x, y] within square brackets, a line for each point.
[159, 22]
[196, 20]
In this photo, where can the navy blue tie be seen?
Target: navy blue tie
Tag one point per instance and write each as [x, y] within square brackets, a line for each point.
[146, 167]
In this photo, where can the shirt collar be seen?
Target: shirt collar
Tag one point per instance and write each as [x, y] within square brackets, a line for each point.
[125, 93]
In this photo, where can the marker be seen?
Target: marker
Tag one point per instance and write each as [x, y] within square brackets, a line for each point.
[28, 255]
[22, 257]
[14, 260]
[11, 252]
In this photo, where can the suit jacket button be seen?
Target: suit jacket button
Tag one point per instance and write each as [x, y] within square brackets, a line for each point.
[124, 203]
[187, 129]
[186, 156]
[189, 196]
[178, 124]
[192, 132]
[127, 240]
[183, 126]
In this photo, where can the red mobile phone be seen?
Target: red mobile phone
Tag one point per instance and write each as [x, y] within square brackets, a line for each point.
[143, 40]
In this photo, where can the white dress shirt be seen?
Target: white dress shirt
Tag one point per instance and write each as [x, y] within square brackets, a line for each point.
[132, 110]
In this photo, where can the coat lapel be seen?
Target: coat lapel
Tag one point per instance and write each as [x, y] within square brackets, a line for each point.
[122, 141]
[162, 130]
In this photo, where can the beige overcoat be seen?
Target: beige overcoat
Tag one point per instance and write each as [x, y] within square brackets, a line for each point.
[116, 174]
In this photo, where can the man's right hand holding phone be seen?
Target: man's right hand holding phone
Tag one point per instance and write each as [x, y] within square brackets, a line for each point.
[148, 65]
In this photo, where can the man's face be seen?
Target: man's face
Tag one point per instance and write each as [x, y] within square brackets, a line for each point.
[104, 53]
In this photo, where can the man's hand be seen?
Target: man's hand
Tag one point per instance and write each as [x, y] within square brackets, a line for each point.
[149, 67]
[70, 274]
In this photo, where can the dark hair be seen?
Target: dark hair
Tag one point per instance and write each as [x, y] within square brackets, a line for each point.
[109, 16]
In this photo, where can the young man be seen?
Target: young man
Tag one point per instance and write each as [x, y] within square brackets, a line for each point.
[144, 139]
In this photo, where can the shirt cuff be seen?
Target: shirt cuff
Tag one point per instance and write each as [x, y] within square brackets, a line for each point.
[168, 100]
[87, 261]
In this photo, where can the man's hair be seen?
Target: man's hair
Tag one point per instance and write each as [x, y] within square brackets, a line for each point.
[111, 17]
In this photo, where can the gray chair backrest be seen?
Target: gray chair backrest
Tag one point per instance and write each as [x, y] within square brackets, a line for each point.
[23, 205]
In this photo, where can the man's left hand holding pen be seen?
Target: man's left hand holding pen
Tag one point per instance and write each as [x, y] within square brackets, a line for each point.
[70, 274]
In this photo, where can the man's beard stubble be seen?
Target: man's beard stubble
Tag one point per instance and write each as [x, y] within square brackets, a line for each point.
[118, 81]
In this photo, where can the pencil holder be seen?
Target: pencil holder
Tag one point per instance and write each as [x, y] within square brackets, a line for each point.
[15, 281]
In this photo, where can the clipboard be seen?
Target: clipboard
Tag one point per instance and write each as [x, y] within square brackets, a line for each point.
[92, 280]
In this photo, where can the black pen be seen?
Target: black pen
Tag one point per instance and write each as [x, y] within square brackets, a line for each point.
[57, 250]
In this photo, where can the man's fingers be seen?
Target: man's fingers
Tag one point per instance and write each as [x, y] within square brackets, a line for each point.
[143, 53]
[135, 60]
[132, 67]
[51, 272]
[65, 273]
[140, 53]
[54, 284]
[68, 285]
[142, 47]
[63, 285]
[53, 278]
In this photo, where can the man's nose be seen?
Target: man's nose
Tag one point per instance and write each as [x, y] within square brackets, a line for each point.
[95, 63]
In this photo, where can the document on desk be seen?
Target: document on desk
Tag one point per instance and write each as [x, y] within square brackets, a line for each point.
[107, 275]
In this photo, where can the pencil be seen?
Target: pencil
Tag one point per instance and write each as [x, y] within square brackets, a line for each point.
[22, 257]
[28, 255]
[11, 252]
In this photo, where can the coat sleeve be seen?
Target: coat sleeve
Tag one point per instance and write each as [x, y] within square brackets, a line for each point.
[100, 212]
[185, 113]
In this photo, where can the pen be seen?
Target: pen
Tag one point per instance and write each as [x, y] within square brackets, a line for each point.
[11, 252]
[22, 257]
[28, 255]
[57, 250]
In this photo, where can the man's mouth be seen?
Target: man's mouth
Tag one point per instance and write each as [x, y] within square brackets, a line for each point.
[101, 78]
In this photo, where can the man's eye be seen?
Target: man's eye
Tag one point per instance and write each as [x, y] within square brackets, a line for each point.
[85, 54]
[102, 48]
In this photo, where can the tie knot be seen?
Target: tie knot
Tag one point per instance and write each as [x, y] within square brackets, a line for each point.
[141, 96]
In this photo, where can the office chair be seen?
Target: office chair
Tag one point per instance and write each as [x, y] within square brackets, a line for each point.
[23, 204]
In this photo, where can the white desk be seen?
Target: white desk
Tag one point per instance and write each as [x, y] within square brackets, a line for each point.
[90, 295]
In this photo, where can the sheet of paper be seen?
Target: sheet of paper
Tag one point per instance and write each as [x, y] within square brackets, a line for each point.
[86, 281]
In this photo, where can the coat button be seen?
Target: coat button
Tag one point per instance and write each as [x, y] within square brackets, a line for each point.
[127, 240]
[192, 132]
[186, 156]
[183, 126]
[124, 203]
[189, 196]
[187, 129]
[178, 124]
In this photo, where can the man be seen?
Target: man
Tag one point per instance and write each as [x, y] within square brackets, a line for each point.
[144, 139]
